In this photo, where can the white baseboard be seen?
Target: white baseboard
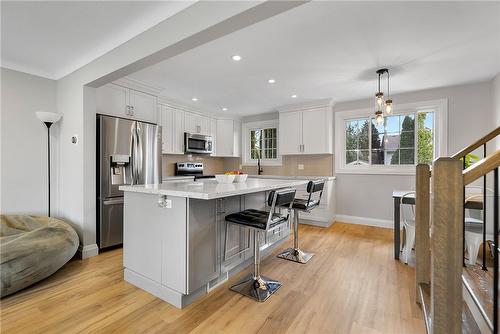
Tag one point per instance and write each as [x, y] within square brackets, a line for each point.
[365, 221]
[320, 223]
[85, 252]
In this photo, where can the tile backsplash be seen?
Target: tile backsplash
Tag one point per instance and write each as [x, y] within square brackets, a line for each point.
[314, 165]
[211, 165]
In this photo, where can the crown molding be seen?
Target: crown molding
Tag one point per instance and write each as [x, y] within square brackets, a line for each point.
[191, 109]
[323, 103]
[139, 85]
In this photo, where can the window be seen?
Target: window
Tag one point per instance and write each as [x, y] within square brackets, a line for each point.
[396, 145]
[264, 143]
[260, 140]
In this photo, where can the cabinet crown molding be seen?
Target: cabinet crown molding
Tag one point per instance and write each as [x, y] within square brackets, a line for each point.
[139, 85]
[324, 103]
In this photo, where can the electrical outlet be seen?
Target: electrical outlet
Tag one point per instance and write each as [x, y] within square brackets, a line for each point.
[300, 167]
[164, 202]
[240, 167]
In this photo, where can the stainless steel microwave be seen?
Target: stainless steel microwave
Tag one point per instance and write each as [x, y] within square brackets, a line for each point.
[194, 143]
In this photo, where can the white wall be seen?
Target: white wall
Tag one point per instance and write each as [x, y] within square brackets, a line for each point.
[495, 89]
[24, 143]
[470, 116]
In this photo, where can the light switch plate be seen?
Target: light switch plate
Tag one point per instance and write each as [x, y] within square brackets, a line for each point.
[300, 167]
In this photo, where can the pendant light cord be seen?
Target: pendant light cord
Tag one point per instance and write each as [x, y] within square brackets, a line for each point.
[388, 94]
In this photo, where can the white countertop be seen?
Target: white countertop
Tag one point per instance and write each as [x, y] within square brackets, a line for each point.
[210, 189]
[296, 177]
[177, 178]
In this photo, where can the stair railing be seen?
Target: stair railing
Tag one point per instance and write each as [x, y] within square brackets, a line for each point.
[440, 229]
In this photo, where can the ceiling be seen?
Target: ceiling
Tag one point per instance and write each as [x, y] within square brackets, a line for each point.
[331, 50]
[54, 38]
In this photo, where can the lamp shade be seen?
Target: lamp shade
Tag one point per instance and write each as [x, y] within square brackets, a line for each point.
[48, 117]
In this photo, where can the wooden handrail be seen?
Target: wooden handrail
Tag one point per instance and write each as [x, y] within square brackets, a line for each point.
[482, 167]
[478, 143]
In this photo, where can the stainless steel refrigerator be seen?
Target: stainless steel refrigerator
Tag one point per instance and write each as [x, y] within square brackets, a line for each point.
[128, 152]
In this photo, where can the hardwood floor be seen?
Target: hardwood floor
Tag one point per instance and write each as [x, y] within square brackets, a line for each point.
[352, 285]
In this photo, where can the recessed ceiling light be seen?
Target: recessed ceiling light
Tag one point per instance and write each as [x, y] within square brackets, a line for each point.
[271, 81]
[224, 109]
[194, 99]
[294, 96]
[236, 57]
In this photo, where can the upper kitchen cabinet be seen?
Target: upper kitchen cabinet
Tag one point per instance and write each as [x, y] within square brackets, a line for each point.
[120, 101]
[172, 122]
[228, 138]
[306, 131]
[194, 123]
[290, 133]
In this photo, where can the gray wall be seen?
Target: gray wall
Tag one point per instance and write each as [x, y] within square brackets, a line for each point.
[470, 115]
[24, 142]
[495, 88]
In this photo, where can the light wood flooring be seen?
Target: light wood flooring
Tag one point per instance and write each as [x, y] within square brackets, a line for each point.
[352, 285]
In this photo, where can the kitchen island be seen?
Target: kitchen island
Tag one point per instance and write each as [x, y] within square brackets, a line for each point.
[176, 243]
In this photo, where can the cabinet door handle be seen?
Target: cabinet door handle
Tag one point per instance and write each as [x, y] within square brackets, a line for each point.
[303, 148]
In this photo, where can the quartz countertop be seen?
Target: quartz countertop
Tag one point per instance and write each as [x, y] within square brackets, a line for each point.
[177, 178]
[210, 189]
[295, 177]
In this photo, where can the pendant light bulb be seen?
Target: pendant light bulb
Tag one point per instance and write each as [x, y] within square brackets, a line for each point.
[378, 117]
[388, 106]
[379, 98]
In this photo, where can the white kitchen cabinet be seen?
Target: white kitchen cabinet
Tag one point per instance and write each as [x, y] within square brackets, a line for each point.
[112, 100]
[123, 102]
[213, 133]
[306, 131]
[172, 122]
[317, 131]
[195, 123]
[237, 139]
[290, 132]
[228, 138]
[143, 106]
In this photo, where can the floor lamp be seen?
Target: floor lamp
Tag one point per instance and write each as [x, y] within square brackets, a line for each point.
[48, 118]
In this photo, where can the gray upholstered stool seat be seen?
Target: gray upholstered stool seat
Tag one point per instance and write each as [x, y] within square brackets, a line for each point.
[31, 249]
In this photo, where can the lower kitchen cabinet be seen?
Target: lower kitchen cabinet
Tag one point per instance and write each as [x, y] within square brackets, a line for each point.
[233, 238]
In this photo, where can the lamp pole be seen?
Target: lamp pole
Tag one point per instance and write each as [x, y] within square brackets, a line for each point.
[48, 124]
[48, 118]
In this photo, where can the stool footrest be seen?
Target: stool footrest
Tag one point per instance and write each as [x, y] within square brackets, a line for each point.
[295, 255]
[258, 288]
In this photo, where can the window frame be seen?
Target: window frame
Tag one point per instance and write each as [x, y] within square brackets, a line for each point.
[246, 149]
[440, 136]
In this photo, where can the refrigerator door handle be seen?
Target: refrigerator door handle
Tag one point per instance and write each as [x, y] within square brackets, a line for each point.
[113, 201]
[134, 153]
[139, 152]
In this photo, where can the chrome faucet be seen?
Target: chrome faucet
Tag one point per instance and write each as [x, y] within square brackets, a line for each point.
[259, 167]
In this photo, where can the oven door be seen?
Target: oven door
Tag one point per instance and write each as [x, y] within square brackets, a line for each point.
[197, 144]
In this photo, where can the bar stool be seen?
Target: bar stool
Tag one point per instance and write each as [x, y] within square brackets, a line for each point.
[254, 285]
[302, 205]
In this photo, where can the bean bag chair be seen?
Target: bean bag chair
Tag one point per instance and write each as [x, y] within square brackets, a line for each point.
[31, 249]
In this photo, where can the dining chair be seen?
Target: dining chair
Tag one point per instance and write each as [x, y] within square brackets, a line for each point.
[408, 219]
[474, 226]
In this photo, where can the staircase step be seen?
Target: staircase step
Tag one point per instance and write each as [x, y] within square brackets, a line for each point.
[469, 325]
[479, 283]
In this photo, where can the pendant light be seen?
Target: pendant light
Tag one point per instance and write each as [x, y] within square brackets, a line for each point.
[388, 102]
[379, 98]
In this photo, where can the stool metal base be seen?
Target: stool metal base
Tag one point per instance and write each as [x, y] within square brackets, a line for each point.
[258, 289]
[295, 255]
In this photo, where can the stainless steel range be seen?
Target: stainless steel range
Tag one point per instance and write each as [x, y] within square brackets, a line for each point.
[191, 169]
